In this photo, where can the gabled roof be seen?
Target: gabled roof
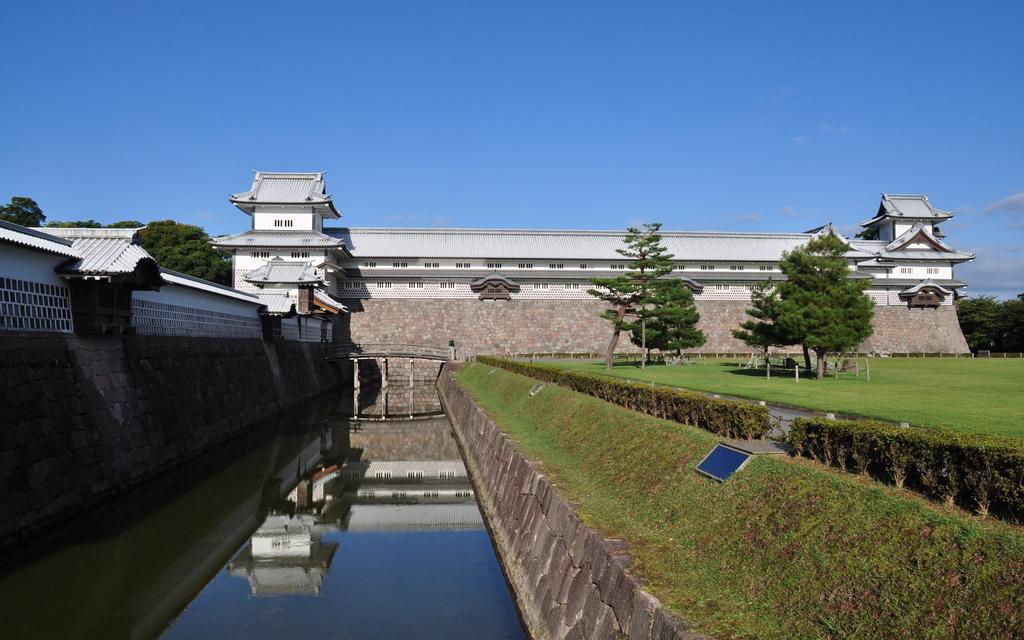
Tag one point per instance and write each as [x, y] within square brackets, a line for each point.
[257, 238]
[494, 278]
[907, 207]
[108, 252]
[278, 271]
[926, 284]
[36, 239]
[273, 187]
[918, 234]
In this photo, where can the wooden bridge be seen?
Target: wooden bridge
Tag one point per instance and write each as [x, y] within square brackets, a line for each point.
[354, 351]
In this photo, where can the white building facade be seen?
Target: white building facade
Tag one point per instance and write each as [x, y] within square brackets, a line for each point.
[530, 286]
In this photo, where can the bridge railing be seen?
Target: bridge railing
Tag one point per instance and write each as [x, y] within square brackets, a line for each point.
[386, 350]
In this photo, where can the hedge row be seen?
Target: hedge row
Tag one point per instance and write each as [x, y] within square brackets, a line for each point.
[980, 473]
[727, 418]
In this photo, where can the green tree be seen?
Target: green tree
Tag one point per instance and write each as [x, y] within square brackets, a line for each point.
[631, 293]
[671, 319]
[820, 304]
[23, 211]
[92, 224]
[77, 224]
[981, 322]
[185, 248]
[1012, 324]
[763, 330]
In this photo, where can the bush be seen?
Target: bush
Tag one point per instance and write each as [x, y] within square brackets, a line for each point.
[726, 418]
[981, 473]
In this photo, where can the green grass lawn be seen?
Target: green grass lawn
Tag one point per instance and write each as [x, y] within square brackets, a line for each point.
[971, 395]
[783, 550]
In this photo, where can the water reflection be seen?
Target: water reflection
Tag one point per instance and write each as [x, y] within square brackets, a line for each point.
[316, 525]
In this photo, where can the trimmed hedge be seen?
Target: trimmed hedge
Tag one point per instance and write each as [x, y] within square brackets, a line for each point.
[984, 474]
[726, 418]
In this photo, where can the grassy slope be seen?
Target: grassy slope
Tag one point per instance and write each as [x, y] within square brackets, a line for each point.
[963, 394]
[782, 550]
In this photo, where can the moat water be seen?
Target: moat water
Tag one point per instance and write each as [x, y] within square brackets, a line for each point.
[314, 525]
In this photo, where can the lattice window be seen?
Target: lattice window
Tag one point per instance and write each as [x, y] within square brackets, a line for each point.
[618, 266]
[431, 265]
[462, 265]
[261, 254]
[300, 254]
[556, 265]
[493, 265]
[284, 223]
[446, 285]
[707, 267]
[764, 267]
[34, 306]
[415, 285]
[735, 267]
[525, 265]
[400, 265]
[572, 285]
[370, 265]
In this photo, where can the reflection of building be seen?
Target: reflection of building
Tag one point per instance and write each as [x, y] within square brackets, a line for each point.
[285, 556]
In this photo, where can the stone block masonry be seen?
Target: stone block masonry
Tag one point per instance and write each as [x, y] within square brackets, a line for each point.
[84, 420]
[499, 327]
[569, 581]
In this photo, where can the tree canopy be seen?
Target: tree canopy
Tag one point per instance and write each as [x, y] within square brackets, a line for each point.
[820, 305]
[23, 211]
[763, 331]
[991, 324]
[643, 296]
[185, 248]
[671, 318]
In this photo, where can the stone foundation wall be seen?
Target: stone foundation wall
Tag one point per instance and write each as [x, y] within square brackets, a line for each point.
[546, 326]
[84, 420]
[904, 330]
[569, 581]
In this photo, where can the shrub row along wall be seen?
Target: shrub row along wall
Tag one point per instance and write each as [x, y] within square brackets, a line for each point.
[726, 418]
[981, 473]
[569, 581]
[86, 419]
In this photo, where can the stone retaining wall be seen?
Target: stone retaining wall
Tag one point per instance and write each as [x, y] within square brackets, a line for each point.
[574, 326]
[569, 581]
[84, 420]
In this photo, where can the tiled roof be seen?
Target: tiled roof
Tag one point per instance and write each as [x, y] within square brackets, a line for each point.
[329, 301]
[279, 271]
[272, 187]
[103, 251]
[35, 239]
[253, 238]
[277, 303]
[185, 280]
[557, 245]
[912, 206]
[926, 284]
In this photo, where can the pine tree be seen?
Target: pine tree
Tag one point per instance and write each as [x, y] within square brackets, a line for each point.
[631, 293]
[820, 305]
[763, 331]
[671, 320]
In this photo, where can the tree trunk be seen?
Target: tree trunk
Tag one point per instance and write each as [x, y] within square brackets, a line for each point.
[821, 364]
[807, 357]
[609, 356]
[643, 342]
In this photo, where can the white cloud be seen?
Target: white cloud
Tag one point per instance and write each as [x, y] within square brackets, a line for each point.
[1011, 204]
[799, 140]
[998, 270]
[749, 217]
[790, 212]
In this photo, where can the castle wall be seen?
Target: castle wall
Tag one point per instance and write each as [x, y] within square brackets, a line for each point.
[562, 326]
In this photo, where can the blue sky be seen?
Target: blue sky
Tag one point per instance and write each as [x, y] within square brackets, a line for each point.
[731, 116]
